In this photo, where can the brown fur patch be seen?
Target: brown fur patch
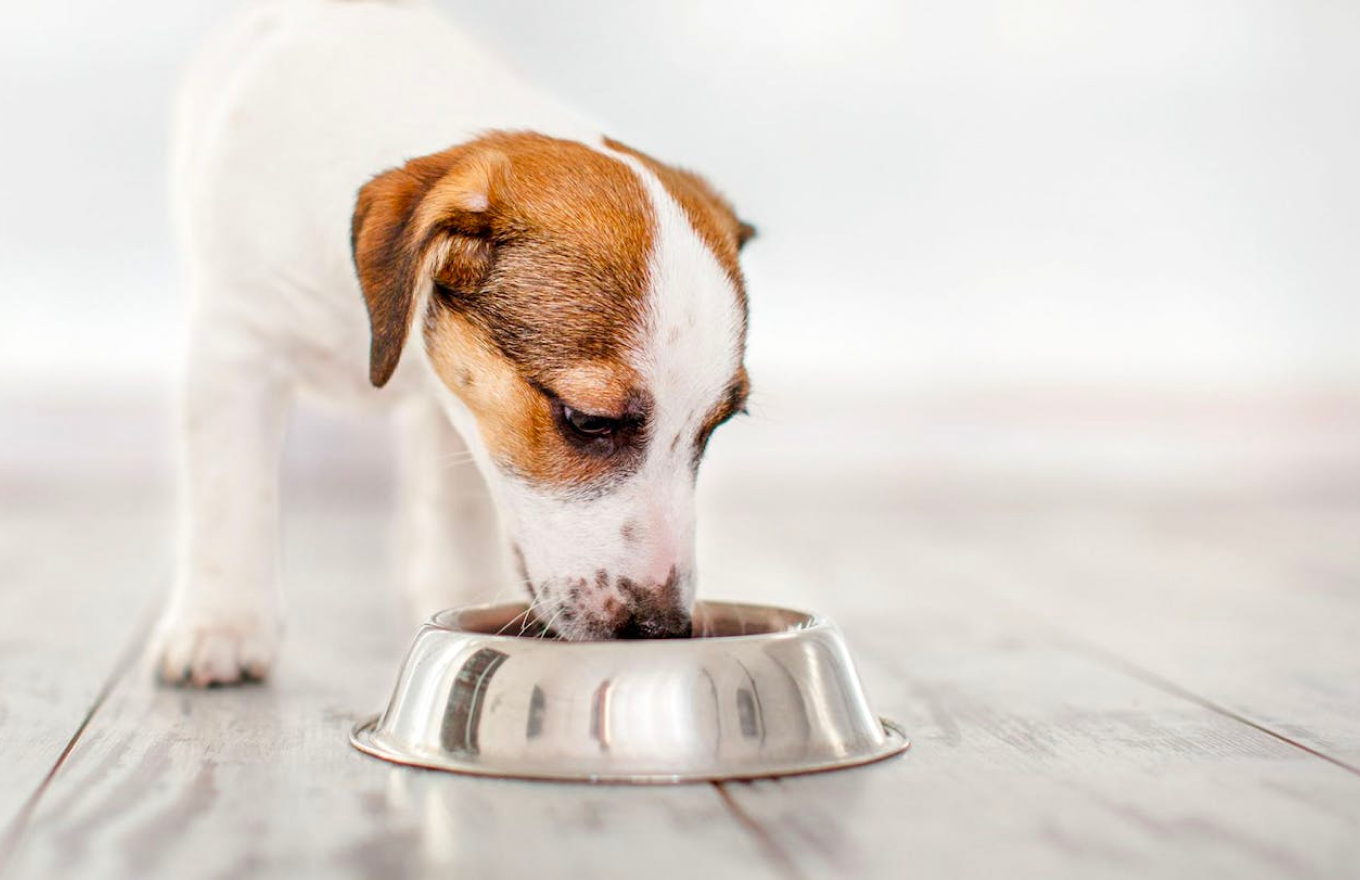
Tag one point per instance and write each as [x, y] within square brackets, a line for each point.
[542, 243]
[539, 251]
[516, 420]
[708, 212]
[598, 387]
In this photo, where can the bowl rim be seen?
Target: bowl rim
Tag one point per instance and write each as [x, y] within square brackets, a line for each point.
[813, 621]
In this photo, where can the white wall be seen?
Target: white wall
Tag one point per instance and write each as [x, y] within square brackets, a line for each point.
[1037, 191]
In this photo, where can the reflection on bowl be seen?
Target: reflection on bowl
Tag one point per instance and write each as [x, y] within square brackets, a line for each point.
[760, 691]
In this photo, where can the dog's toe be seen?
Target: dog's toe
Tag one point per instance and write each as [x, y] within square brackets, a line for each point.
[200, 654]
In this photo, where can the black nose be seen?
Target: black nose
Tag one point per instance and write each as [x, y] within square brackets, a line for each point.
[645, 625]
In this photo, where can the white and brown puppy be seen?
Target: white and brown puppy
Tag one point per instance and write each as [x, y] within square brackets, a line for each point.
[572, 307]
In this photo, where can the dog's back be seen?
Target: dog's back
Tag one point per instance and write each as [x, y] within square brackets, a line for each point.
[283, 118]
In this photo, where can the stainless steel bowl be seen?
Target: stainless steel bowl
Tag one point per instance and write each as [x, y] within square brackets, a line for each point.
[759, 691]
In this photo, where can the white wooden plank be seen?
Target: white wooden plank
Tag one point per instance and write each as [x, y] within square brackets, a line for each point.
[63, 628]
[1031, 756]
[1031, 760]
[1263, 625]
[1028, 759]
[261, 781]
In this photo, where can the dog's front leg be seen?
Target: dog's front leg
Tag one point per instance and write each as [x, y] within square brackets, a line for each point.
[224, 618]
[448, 544]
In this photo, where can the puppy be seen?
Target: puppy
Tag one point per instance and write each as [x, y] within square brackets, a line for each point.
[377, 211]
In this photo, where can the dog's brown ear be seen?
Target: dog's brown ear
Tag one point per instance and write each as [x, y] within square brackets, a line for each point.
[745, 232]
[428, 220]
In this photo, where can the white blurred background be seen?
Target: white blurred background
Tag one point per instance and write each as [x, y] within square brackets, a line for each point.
[1084, 241]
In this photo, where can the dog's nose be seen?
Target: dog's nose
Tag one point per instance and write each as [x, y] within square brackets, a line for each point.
[650, 625]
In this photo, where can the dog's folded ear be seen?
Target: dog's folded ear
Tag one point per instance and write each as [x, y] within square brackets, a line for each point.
[428, 221]
[745, 232]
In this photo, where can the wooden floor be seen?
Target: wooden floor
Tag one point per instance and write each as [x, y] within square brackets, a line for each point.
[1123, 686]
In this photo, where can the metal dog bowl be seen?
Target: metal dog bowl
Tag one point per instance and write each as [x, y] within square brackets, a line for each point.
[759, 691]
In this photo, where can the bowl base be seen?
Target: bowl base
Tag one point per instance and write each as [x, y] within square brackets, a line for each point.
[362, 739]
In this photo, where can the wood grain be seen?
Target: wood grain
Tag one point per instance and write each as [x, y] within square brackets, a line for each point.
[1031, 755]
[1258, 613]
[261, 781]
[1104, 688]
[72, 588]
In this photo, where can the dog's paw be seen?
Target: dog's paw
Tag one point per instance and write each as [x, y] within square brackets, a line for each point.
[202, 652]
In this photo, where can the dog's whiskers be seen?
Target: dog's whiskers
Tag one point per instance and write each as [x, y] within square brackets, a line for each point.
[561, 607]
[530, 616]
[525, 615]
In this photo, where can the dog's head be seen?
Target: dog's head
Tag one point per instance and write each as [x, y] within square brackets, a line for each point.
[584, 309]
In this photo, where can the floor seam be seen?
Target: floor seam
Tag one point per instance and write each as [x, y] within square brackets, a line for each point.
[1166, 685]
[12, 837]
[1092, 650]
[759, 833]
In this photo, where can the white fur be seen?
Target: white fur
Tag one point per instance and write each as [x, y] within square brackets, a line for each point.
[689, 355]
[280, 123]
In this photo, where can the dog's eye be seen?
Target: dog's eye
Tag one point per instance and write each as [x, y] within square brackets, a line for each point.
[588, 426]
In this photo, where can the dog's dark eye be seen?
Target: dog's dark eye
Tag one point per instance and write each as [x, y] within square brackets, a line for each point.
[588, 426]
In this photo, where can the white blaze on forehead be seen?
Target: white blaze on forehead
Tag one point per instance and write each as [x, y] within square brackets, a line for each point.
[693, 341]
